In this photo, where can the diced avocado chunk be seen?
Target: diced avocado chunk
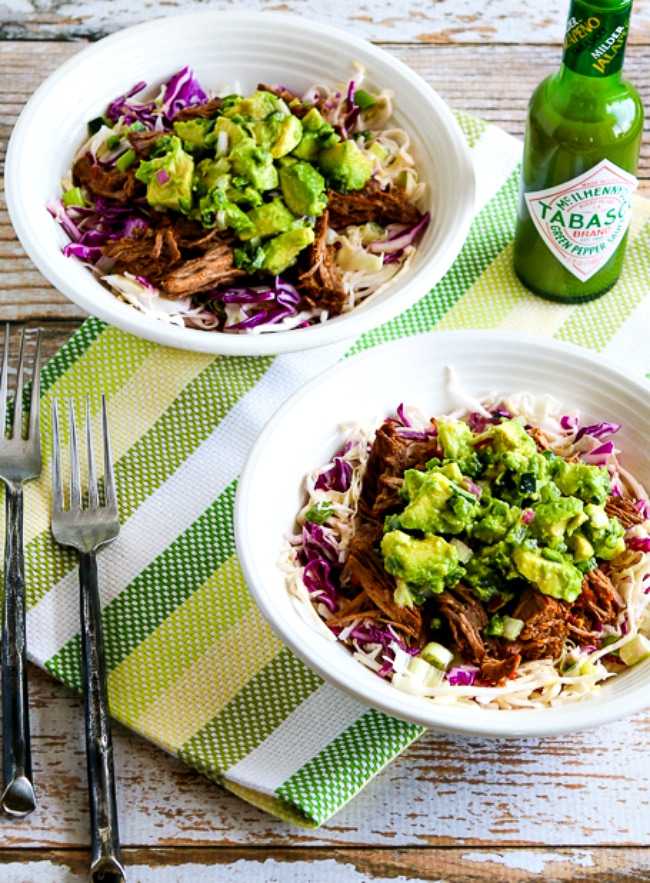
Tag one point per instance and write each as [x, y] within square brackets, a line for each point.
[288, 134]
[215, 205]
[168, 178]
[303, 188]
[581, 548]
[231, 135]
[559, 579]
[605, 534]
[282, 251]
[345, 166]
[556, 517]
[510, 435]
[437, 503]
[590, 483]
[210, 173]
[269, 219]
[256, 107]
[195, 134]
[255, 164]
[455, 437]
[496, 519]
[317, 134]
[429, 562]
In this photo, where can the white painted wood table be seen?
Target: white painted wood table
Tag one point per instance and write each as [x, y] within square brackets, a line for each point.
[450, 809]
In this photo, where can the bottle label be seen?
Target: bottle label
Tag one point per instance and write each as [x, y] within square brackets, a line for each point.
[583, 221]
[594, 42]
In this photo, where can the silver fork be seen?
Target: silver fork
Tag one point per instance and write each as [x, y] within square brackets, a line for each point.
[86, 529]
[20, 460]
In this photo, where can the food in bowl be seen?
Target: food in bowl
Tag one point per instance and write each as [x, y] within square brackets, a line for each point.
[498, 555]
[244, 214]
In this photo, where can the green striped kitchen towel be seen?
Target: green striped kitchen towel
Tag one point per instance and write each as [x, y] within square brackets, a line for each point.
[192, 665]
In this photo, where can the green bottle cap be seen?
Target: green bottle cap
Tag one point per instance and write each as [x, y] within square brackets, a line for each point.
[596, 33]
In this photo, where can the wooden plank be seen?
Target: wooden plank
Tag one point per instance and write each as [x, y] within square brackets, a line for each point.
[577, 791]
[493, 82]
[339, 866]
[445, 21]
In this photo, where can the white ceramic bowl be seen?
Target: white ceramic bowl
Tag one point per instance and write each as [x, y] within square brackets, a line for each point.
[304, 434]
[243, 49]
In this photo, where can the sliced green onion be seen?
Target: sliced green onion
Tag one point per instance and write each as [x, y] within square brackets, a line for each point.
[423, 673]
[635, 650]
[95, 125]
[319, 513]
[112, 141]
[74, 196]
[364, 99]
[125, 161]
[437, 655]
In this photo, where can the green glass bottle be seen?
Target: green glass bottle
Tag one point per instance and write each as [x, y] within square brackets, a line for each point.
[583, 136]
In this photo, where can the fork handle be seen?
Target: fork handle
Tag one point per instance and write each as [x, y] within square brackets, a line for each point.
[106, 859]
[18, 792]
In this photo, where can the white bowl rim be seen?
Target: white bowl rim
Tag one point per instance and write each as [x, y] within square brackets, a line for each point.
[416, 284]
[463, 720]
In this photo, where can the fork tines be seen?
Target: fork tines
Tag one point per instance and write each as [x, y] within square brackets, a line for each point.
[75, 502]
[17, 422]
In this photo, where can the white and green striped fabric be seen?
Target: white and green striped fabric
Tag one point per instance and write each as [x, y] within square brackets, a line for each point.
[192, 665]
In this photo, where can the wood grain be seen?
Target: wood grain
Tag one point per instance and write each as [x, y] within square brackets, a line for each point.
[450, 809]
[414, 21]
[492, 82]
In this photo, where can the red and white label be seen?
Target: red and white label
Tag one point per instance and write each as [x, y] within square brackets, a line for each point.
[584, 220]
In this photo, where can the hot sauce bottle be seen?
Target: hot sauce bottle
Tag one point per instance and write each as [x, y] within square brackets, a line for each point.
[581, 148]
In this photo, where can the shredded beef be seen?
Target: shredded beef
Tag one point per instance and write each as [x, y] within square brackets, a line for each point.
[321, 284]
[200, 111]
[543, 635]
[364, 567]
[149, 253]
[467, 619]
[545, 625]
[390, 456]
[212, 269]
[497, 671]
[192, 237]
[539, 437]
[371, 205]
[599, 602]
[624, 510]
[297, 107]
[143, 141]
[108, 183]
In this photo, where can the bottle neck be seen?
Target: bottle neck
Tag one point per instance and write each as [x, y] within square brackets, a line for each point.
[595, 38]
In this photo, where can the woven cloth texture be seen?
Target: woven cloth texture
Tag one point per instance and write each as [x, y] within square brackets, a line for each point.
[192, 665]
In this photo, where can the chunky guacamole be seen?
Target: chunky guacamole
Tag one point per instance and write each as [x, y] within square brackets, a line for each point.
[244, 213]
[498, 556]
[528, 516]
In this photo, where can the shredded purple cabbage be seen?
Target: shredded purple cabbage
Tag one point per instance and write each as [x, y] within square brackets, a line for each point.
[599, 456]
[316, 577]
[133, 111]
[644, 507]
[336, 478]
[393, 247]
[262, 306]
[638, 544]
[183, 90]
[598, 430]
[316, 543]
[478, 423]
[462, 675]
